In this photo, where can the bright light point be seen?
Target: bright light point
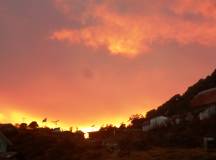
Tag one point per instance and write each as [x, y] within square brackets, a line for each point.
[86, 130]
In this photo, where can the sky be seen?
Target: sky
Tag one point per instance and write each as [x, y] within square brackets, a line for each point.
[97, 62]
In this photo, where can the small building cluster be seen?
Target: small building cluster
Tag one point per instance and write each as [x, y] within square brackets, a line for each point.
[203, 105]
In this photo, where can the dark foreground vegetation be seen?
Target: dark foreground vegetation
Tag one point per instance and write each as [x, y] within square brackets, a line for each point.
[182, 142]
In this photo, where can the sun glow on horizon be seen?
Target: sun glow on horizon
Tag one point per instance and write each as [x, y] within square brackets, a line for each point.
[17, 117]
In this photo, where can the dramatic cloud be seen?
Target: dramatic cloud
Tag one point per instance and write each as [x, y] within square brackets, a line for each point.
[129, 28]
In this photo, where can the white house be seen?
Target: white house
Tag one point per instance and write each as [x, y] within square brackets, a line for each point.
[157, 122]
[208, 112]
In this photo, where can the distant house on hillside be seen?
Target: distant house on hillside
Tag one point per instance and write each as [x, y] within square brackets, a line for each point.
[56, 130]
[205, 102]
[146, 126]
[156, 122]
[207, 113]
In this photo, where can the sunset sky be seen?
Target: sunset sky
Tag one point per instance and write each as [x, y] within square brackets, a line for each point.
[93, 62]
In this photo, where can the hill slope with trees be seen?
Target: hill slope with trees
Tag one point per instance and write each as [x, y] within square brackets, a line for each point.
[180, 104]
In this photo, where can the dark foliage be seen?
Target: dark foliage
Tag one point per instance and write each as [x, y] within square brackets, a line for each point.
[23, 126]
[33, 125]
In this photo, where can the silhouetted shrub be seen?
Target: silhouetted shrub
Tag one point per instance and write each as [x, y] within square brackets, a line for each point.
[33, 125]
[23, 126]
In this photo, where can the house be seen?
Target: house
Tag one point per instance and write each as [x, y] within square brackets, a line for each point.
[160, 121]
[208, 113]
[205, 103]
[4, 143]
[157, 122]
[56, 130]
[204, 98]
[146, 126]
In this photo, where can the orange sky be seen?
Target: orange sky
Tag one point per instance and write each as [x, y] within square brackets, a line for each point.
[96, 62]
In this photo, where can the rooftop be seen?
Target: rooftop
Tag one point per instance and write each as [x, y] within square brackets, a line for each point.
[204, 98]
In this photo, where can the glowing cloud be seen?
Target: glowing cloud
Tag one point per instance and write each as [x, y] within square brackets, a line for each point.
[111, 32]
[129, 34]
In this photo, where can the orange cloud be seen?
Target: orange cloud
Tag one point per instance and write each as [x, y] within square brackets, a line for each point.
[111, 32]
[205, 8]
[129, 34]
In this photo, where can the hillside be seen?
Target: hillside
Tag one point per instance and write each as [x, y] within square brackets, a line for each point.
[179, 104]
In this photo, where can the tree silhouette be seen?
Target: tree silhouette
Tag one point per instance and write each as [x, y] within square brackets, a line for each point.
[137, 121]
[152, 113]
[122, 126]
[33, 125]
[23, 126]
